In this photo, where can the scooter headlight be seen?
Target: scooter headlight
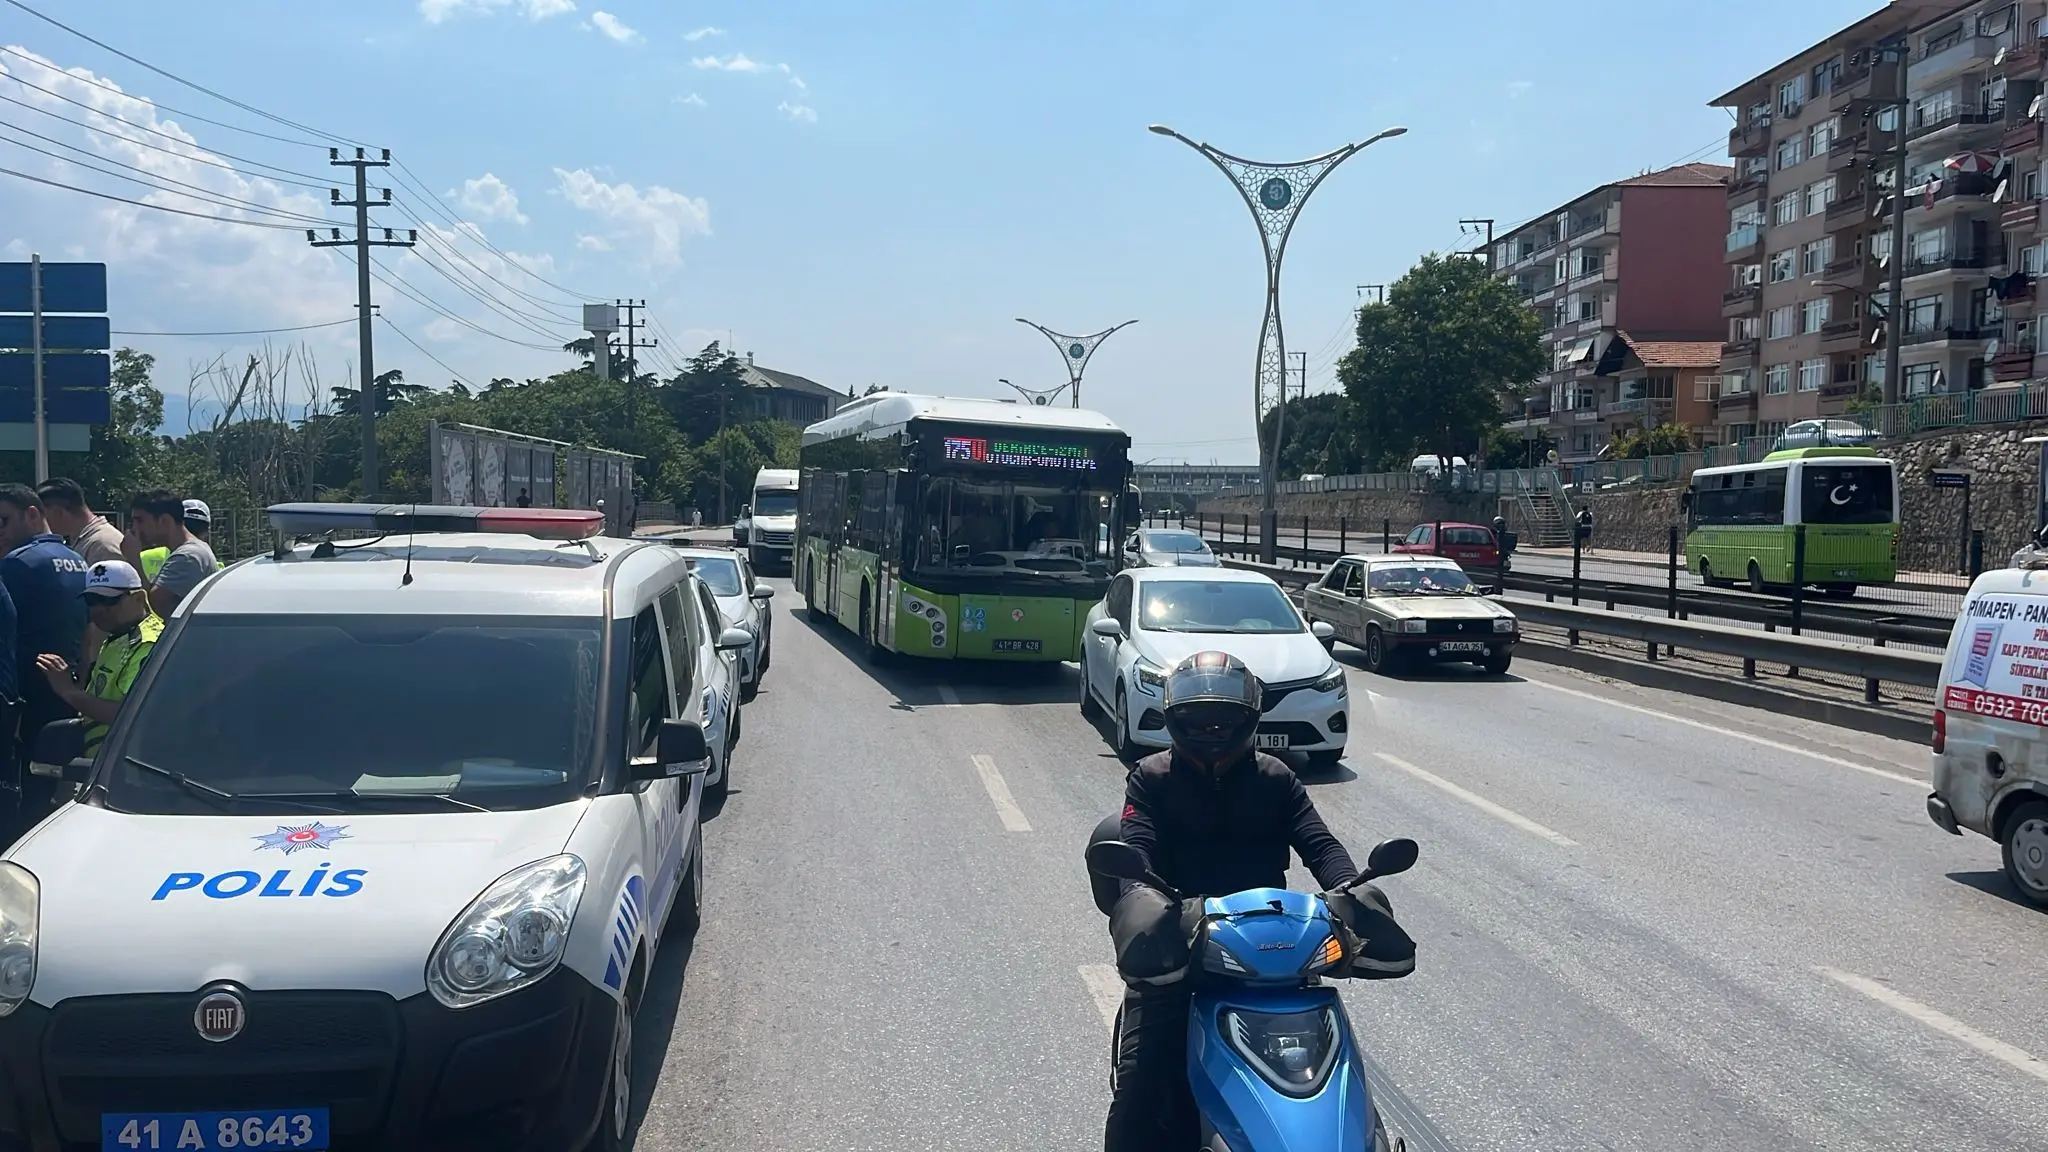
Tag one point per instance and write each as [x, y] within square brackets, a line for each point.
[1292, 1051]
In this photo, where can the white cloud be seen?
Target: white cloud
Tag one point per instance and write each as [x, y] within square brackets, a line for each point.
[1519, 88]
[797, 82]
[490, 198]
[798, 112]
[693, 100]
[612, 27]
[737, 62]
[655, 219]
[435, 11]
[590, 243]
[701, 33]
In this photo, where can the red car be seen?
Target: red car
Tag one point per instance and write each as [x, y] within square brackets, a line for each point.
[1471, 545]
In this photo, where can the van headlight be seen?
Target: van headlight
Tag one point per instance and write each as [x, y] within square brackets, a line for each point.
[510, 936]
[20, 905]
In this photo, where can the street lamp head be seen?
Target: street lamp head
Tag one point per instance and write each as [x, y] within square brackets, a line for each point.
[1397, 130]
[1160, 130]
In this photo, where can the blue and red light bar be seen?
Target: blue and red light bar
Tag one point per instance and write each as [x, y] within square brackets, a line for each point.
[311, 518]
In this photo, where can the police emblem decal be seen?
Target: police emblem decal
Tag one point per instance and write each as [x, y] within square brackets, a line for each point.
[290, 839]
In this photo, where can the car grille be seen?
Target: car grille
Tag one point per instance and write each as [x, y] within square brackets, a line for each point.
[299, 1049]
[1461, 628]
[774, 538]
[1270, 695]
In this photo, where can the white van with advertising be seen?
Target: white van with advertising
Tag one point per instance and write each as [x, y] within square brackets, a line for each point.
[1991, 724]
[378, 852]
[771, 528]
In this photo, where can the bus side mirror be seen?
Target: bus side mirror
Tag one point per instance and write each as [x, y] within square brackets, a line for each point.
[1685, 501]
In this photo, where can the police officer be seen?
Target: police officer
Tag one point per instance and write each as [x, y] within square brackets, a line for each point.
[1212, 816]
[120, 609]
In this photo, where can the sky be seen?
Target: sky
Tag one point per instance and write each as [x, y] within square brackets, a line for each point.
[861, 193]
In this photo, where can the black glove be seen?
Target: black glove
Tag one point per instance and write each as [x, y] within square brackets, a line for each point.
[1378, 948]
[1152, 934]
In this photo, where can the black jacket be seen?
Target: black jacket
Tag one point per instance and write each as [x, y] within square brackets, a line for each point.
[1215, 836]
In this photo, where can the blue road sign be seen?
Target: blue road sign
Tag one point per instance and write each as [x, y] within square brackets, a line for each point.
[60, 405]
[60, 370]
[76, 333]
[66, 288]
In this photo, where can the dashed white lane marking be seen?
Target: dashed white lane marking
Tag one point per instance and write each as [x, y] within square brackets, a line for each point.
[999, 791]
[1505, 815]
[1107, 989]
[1948, 1026]
[947, 694]
[1764, 741]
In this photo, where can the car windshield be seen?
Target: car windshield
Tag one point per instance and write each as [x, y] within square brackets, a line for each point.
[1418, 580]
[774, 503]
[1174, 542]
[720, 573]
[1468, 537]
[354, 713]
[1215, 606]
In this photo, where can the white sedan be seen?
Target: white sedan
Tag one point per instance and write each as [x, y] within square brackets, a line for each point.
[742, 602]
[1153, 618]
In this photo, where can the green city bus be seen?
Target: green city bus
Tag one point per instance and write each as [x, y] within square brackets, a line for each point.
[1743, 520]
[961, 529]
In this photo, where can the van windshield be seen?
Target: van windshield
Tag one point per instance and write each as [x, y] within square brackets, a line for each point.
[352, 714]
[777, 503]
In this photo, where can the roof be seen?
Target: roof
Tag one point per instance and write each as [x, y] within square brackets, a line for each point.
[758, 377]
[1406, 558]
[1675, 353]
[453, 573]
[1897, 16]
[1676, 176]
[888, 409]
[1199, 575]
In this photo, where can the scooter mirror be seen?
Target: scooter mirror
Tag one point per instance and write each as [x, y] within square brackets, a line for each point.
[1391, 856]
[1116, 860]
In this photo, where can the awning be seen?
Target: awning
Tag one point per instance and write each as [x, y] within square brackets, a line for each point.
[1581, 352]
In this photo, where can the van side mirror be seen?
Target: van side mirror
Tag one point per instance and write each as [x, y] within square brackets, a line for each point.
[679, 751]
[61, 744]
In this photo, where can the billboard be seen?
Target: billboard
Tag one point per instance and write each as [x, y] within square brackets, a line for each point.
[595, 475]
[481, 467]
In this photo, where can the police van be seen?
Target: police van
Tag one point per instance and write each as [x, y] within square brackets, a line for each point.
[377, 856]
[1991, 724]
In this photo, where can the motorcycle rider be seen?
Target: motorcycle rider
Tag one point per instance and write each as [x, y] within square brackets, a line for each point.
[1213, 817]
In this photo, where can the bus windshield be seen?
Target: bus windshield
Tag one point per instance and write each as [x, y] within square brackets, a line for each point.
[1846, 494]
[994, 528]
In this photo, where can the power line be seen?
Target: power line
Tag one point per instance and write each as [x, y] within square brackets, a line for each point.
[144, 127]
[144, 203]
[241, 332]
[422, 351]
[406, 290]
[172, 76]
[161, 148]
[106, 87]
[200, 193]
[451, 249]
[503, 309]
[434, 202]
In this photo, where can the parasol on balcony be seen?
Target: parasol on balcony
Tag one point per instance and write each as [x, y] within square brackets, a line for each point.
[1972, 163]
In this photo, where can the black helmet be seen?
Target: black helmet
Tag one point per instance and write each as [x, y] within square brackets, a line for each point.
[1212, 708]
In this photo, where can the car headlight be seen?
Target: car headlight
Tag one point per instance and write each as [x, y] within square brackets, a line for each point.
[1414, 625]
[1503, 623]
[1333, 680]
[20, 905]
[510, 936]
[710, 705]
[1151, 679]
[1292, 1051]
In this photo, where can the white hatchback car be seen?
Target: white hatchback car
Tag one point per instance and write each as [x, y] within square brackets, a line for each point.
[743, 602]
[378, 852]
[1153, 618]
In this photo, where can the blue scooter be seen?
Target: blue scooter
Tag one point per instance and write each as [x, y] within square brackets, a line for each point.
[1271, 1058]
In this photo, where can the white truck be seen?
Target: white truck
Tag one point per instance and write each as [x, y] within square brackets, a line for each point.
[771, 519]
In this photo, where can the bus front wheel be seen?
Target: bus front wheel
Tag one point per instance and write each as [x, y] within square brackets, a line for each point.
[1756, 578]
[868, 647]
[1708, 578]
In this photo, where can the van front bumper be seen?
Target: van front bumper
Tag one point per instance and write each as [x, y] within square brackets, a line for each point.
[525, 1073]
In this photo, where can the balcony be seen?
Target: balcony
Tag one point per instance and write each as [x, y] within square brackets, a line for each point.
[1754, 140]
[1602, 222]
[1636, 406]
[1740, 353]
[1950, 55]
[1745, 246]
[1942, 334]
[1961, 121]
[1951, 262]
[1596, 274]
[1847, 268]
[1841, 335]
[1741, 301]
[2020, 136]
[2013, 364]
[1956, 188]
[2023, 216]
[1743, 183]
[2022, 58]
[1846, 210]
[1735, 405]
[1850, 87]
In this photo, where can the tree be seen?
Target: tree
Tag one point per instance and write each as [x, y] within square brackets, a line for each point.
[706, 395]
[1641, 443]
[1436, 360]
[390, 389]
[586, 347]
[1322, 436]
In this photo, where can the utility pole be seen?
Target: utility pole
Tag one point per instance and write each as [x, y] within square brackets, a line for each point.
[632, 345]
[362, 243]
[1488, 223]
[1895, 307]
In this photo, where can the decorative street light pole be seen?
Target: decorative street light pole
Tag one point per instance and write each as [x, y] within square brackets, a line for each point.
[1275, 194]
[1076, 350]
[1038, 396]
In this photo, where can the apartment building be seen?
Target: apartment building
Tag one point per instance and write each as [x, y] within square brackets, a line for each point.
[1808, 225]
[1659, 382]
[1642, 255]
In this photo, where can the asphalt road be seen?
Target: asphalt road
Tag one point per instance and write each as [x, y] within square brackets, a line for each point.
[1644, 922]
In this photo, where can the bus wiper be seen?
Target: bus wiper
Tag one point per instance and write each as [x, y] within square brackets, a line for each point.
[221, 799]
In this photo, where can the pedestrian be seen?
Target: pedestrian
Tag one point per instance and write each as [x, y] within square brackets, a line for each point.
[524, 500]
[43, 578]
[159, 519]
[1586, 529]
[88, 533]
[119, 605]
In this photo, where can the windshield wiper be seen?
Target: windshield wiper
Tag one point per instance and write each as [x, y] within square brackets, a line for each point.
[351, 794]
[220, 798]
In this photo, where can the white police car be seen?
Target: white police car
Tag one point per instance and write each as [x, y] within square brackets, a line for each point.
[378, 855]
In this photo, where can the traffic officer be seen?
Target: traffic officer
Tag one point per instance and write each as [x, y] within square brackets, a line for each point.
[119, 605]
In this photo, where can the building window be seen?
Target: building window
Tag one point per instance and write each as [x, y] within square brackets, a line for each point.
[1792, 96]
[1922, 379]
[1888, 119]
[1820, 138]
[2041, 333]
[1748, 275]
[1656, 387]
[1589, 309]
[1825, 76]
[1819, 195]
[1777, 379]
[1791, 151]
[1813, 313]
[2030, 260]
[1742, 329]
[1735, 383]
[1881, 246]
[1934, 109]
[1873, 369]
[1781, 323]
[1703, 387]
[1929, 246]
[1923, 315]
[1782, 264]
[1559, 313]
[1785, 209]
[1812, 374]
[1816, 256]
[2030, 185]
